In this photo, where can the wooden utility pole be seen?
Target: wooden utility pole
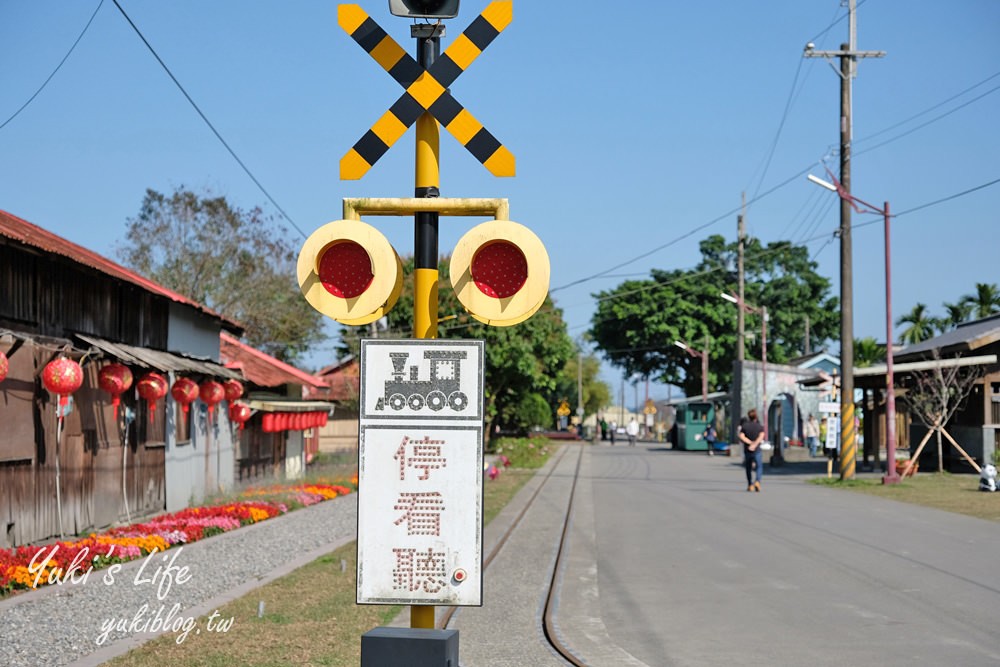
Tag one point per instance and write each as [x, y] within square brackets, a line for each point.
[740, 318]
[848, 56]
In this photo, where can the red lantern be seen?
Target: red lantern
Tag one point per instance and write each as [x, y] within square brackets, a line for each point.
[185, 392]
[268, 422]
[62, 376]
[115, 379]
[4, 366]
[239, 413]
[211, 393]
[152, 387]
[233, 388]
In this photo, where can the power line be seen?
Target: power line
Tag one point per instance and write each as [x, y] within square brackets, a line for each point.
[929, 109]
[687, 234]
[208, 122]
[923, 125]
[58, 67]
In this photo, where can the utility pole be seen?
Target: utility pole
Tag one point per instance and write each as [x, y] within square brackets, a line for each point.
[807, 350]
[740, 320]
[848, 56]
[740, 317]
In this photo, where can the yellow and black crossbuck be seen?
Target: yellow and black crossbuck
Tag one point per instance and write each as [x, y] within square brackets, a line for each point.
[426, 90]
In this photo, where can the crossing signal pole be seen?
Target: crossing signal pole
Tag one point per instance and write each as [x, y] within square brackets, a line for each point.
[848, 55]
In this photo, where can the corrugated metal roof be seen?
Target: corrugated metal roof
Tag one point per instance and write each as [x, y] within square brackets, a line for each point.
[262, 369]
[27, 233]
[159, 360]
[966, 337]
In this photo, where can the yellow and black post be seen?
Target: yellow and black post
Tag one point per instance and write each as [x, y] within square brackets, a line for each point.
[425, 231]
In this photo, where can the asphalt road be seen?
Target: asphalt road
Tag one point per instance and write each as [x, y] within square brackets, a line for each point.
[694, 570]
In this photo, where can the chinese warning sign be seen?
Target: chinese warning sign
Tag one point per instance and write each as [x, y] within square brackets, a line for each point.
[420, 472]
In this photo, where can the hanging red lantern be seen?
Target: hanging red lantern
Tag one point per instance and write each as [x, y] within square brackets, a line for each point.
[211, 393]
[240, 413]
[233, 388]
[115, 379]
[62, 377]
[185, 392]
[267, 423]
[4, 366]
[152, 387]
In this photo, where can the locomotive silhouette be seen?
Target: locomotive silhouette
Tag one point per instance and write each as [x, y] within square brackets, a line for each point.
[443, 387]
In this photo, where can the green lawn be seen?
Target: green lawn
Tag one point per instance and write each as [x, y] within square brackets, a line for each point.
[952, 493]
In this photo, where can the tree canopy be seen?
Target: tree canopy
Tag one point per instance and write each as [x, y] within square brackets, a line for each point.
[238, 263]
[523, 359]
[637, 322]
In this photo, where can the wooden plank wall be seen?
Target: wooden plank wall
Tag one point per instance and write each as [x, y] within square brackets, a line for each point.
[90, 458]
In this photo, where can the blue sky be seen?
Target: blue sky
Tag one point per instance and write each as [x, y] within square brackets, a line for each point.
[631, 127]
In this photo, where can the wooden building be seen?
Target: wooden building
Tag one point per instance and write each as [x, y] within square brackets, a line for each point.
[275, 393]
[342, 386]
[975, 426]
[59, 298]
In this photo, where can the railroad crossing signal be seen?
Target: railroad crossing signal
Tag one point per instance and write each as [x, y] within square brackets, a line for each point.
[426, 90]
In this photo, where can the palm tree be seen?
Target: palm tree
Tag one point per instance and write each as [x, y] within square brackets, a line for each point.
[921, 325]
[985, 302]
[867, 351]
[957, 313]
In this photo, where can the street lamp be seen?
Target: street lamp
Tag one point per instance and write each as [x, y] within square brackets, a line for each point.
[762, 311]
[704, 364]
[891, 477]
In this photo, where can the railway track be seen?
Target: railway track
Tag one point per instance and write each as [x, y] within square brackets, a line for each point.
[551, 596]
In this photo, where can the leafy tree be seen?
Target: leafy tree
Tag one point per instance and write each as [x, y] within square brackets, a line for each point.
[236, 262]
[530, 411]
[596, 393]
[519, 360]
[636, 323]
[868, 352]
[921, 325]
[985, 302]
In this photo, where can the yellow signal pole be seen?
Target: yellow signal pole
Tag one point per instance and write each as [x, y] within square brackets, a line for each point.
[425, 232]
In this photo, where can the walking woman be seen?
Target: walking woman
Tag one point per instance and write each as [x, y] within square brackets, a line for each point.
[752, 435]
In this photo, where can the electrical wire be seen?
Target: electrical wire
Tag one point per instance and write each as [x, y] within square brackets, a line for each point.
[683, 236]
[923, 125]
[208, 122]
[58, 67]
[928, 110]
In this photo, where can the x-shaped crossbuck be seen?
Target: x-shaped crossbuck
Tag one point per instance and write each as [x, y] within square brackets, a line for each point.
[426, 90]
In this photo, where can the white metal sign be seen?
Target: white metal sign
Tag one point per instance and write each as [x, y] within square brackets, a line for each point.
[829, 407]
[420, 472]
[832, 436]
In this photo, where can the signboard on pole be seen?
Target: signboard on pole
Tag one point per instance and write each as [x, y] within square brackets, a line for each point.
[420, 472]
[832, 435]
[829, 407]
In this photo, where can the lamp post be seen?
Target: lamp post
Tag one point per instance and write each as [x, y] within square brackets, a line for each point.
[704, 364]
[762, 311]
[890, 477]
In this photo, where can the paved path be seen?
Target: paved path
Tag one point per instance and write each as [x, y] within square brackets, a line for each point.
[693, 570]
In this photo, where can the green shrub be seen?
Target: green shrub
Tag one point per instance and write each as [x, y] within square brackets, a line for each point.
[523, 452]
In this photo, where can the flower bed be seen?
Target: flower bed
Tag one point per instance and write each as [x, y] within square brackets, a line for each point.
[31, 567]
